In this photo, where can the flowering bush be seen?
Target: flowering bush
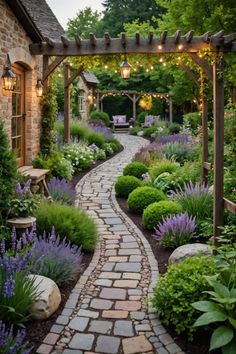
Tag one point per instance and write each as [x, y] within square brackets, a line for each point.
[80, 155]
[175, 231]
[10, 344]
[97, 127]
[61, 191]
[17, 291]
[148, 153]
[196, 199]
[24, 202]
[60, 261]
[100, 154]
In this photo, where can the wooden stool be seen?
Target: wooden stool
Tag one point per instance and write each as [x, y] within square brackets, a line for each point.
[38, 178]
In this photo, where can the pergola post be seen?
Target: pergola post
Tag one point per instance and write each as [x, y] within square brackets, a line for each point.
[204, 138]
[134, 106]
[170, 110]
[45, 68]
[66, 103]
[218, 110]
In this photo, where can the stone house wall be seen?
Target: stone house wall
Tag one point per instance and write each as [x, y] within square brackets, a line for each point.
[14, 42]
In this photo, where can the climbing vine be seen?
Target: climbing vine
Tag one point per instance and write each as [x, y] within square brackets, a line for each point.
[49, 112]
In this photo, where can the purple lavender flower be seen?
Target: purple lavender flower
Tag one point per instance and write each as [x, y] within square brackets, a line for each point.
[61, 190]
[101, 129]
[63, 257]
[191, 189]
[146, 177]
[14, 260]
[10, 344]
[175, 230]
[22, 191]
[175, 138]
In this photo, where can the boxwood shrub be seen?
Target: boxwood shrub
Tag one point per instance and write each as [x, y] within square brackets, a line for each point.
[68, 222]
[136, 169]
[126, 184]
[95, 115]
[155, 212]
[141, 197]
[183, 284]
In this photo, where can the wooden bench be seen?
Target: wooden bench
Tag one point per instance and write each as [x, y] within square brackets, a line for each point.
[38, 178]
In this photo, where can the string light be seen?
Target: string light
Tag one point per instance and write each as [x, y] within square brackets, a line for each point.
[180, 46]
[164, 64]
[105, 66]
[159, 47]
[161, 60]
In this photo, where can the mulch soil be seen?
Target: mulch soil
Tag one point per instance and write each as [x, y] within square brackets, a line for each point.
[200, 344]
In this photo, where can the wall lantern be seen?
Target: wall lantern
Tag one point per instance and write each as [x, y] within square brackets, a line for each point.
[125, 69]
[8, 79]
[39, 88]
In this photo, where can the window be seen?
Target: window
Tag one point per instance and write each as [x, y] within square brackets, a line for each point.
[81, 98]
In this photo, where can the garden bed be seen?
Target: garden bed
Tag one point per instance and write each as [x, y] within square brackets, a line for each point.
[200, 344]
[37, 330]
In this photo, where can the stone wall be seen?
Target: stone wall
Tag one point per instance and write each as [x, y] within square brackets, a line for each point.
[14, 42]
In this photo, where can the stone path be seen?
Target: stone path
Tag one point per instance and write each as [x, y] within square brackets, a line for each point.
[108, 310]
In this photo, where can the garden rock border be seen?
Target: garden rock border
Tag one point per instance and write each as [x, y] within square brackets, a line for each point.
[107, 311]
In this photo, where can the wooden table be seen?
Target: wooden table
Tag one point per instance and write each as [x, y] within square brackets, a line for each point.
[38, 178]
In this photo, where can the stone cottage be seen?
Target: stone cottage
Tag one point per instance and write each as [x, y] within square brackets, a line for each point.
[87, 84]
[23, 22]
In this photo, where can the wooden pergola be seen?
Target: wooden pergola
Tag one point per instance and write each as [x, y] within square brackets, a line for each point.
[134, 96]
[217, 43]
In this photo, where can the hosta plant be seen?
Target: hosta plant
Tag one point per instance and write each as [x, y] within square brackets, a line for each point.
[220, 310]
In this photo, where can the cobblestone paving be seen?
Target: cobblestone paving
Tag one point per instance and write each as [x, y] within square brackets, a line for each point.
[108, 310]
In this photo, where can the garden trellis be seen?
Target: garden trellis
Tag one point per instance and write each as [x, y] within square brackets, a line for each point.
[217, 43]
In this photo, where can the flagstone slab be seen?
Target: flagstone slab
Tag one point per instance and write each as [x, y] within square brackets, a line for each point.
[128, 267]
[123, 328]
[99, 304]
[103, 327]
[82, 341]
[110, 293]
[107, 344]
[125, 283]
[136, 345]
[114, 314]
[128, 305]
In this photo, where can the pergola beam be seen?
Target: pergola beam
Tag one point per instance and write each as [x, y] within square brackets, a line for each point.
[150, 45]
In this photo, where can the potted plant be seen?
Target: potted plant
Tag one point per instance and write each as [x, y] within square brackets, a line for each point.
[22, 206]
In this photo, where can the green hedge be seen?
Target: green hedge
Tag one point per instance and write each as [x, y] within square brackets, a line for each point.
[126, 184]
[68, 222]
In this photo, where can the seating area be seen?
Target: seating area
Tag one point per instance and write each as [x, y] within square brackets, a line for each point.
[150, 121]
[119, 121]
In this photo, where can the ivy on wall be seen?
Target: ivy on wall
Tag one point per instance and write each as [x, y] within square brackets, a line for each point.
[49, 113]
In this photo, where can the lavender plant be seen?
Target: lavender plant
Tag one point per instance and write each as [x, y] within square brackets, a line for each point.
[61, 191]
[10, 344]
[175, 138]
[196, 199]
[177, 151]
[175, 230]
[60, 261]
[17, 291]
[98, 128]
[24, 202]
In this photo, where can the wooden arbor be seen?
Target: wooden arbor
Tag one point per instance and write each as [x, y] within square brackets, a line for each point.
[217, 43]
[134, 96]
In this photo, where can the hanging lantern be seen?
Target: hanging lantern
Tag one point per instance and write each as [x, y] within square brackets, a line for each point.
[39, 88]
[125, 69]
[8, 79]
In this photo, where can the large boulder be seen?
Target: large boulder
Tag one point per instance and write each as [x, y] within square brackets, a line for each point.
[48, 300]
[190, 250]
